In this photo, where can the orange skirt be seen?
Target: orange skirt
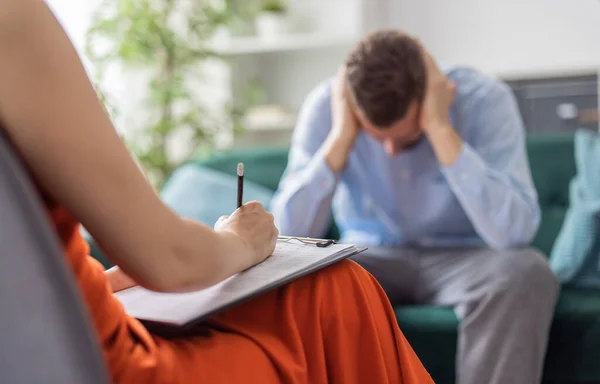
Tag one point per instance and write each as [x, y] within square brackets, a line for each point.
[334, 326]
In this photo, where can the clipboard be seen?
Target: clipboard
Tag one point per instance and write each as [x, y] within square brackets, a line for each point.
[294, 257]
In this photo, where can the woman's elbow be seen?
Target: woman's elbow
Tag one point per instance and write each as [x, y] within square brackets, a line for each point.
[171, 279]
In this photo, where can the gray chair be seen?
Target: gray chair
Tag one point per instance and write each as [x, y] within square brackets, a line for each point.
[45, 333]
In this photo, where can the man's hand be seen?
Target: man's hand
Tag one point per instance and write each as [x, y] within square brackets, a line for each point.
[253, 228]
[435, 114]
[439, 94]
[343, 133]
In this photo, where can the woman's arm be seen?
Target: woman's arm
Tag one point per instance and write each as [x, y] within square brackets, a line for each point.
[52, 113]
[118, 279]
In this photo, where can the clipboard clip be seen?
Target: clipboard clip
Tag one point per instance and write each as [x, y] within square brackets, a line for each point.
[321, 243]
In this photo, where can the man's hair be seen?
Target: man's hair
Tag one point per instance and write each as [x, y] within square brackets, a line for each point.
[386, 73]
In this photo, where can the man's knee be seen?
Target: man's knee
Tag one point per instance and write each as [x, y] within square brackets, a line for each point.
[526, 271]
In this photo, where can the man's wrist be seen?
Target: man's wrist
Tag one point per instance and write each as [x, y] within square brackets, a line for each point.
[337, 149]
[445, 141]
[439, 127]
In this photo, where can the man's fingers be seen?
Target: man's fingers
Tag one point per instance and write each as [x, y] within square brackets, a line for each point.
[340, 81]
[433, 71]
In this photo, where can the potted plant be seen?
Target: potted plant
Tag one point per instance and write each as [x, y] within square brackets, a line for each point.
[272, 19]
[167, 42]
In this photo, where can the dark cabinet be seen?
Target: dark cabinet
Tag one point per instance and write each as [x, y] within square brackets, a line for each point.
[555, 105]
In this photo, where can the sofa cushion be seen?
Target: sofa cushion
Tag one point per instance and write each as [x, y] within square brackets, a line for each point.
[572, 351]
[205, 194]
[575, 257]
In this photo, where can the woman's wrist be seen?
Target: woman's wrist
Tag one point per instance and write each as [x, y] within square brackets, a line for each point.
[236, 250]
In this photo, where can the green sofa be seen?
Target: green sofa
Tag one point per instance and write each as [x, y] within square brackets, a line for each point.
[574, 349]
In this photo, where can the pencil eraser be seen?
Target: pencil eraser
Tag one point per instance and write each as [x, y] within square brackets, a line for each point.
[240, 169]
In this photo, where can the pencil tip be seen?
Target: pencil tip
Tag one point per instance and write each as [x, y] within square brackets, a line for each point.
[240, 169]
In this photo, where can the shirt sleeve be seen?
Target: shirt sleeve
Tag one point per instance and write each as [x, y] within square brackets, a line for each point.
[302, 204]
[491, 177]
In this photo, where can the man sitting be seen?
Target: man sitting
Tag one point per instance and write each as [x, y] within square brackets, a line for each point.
[428, 168]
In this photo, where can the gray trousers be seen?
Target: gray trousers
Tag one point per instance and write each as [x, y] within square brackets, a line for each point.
[505, 301]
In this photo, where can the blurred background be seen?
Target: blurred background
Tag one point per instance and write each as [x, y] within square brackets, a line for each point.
[183, 78]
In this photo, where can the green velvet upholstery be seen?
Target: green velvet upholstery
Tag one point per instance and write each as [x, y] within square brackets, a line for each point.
[574, 348]
[552, 161]
[263, 166]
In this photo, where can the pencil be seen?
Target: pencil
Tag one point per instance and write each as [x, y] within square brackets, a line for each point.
[240, 191]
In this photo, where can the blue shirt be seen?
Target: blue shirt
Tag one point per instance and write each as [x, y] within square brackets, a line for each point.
[486, 198]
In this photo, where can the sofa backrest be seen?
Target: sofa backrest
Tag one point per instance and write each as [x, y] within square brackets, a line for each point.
[552, 160]
[263, 166]
[46, 333]
[552, 166]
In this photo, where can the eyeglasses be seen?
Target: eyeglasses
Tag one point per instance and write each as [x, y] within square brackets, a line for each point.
[307, 240]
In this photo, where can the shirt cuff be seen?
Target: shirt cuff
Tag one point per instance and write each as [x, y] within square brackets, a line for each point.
[468, 168]
[319, 174]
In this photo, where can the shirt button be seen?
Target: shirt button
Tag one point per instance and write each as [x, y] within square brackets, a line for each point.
[463, 176]
[404, 175]
[324, 184]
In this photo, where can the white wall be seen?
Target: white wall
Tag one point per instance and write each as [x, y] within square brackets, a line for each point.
[505, 36]
[289, 76]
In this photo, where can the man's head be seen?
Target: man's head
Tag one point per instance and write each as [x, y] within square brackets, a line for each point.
[387, 77]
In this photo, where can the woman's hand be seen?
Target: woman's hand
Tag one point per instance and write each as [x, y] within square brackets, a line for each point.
[254, 227]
